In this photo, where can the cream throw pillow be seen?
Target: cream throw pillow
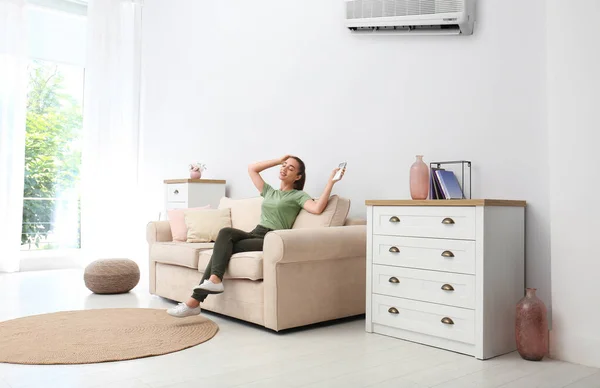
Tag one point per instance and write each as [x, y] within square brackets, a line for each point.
[245, 213]
[204, 225]
[177, 222]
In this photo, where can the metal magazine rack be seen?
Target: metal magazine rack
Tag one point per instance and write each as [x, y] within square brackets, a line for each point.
[459, 165]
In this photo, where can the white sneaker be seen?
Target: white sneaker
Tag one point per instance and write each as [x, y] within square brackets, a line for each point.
[210, 287]
[197, 288]
[182, 310]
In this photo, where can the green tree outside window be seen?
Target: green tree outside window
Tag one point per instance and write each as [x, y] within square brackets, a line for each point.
[52, 155]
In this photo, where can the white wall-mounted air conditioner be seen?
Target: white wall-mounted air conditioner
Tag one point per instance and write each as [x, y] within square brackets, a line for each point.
[431, 17]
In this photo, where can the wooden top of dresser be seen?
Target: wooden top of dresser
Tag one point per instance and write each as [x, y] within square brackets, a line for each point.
[169, 181]
[445, 202]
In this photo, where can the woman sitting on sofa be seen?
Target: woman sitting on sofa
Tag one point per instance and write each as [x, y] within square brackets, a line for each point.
[279, 211]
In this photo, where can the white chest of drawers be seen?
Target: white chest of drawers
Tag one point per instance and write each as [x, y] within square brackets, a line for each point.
[188, 193]
[446, 273]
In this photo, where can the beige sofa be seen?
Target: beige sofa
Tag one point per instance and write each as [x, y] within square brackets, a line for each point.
[314, 272]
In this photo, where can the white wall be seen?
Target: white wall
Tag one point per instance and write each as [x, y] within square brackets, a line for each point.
[231, 82]
[573, 89]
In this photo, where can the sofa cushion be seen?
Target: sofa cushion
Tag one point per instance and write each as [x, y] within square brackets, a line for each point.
[243, 265]
[178, 253]
[245, 213]
[334, 215]
[177, 222]
[204, 225]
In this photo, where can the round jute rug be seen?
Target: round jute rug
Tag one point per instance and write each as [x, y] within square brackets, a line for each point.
[91, 336]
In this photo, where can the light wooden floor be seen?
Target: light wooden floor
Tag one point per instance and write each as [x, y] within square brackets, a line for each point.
[337, 355]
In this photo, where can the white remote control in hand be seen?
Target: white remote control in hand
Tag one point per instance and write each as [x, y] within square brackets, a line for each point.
[338, 174]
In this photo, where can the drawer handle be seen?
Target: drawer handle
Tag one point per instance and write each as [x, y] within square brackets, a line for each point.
[394, 280]
[393, 310]
[447, 321]
[394, 219]
[448, 221]
[394, 250]
[447, 254]
[176, 192]
[447, 287]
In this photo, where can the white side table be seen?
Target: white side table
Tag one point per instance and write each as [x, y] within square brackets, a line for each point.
[189, 193]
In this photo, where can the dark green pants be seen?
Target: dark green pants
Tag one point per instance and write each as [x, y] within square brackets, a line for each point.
[230, 241]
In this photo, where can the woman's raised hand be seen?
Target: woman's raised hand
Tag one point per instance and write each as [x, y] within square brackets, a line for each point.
[332, 176]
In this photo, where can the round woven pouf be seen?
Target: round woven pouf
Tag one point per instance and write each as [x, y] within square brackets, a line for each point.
[111, 276]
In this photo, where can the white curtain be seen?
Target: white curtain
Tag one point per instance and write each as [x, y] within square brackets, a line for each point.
[13, 94]
[111, 130]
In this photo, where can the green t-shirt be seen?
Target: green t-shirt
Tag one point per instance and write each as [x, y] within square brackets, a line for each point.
[280, 208]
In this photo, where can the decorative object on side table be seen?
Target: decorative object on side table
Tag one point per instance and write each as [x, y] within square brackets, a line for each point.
[196, 170]
[419, 179]
[531, 327]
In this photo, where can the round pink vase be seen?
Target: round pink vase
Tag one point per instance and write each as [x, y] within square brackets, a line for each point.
[531, 327]
[195, 174]
[419, 179]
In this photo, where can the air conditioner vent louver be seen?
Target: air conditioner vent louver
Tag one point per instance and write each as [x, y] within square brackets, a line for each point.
[389, 8]
[416, 17]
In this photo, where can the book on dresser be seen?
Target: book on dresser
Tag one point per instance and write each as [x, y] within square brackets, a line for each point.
[446, 273]
[444, 185]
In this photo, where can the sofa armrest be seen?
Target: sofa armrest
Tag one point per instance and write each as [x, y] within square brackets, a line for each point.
[158, 231]
[355, 221]
[313, 275]
[311, 244]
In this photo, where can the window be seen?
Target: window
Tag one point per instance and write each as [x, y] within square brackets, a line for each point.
[52, 156]
[51, 211]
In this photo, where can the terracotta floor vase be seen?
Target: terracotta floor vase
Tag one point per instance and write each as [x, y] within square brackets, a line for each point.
[531, 327]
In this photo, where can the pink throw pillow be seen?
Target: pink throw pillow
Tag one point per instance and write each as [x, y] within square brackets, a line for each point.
[177, 222]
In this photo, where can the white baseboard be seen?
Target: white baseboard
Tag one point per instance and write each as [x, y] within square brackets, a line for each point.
[48, 260]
